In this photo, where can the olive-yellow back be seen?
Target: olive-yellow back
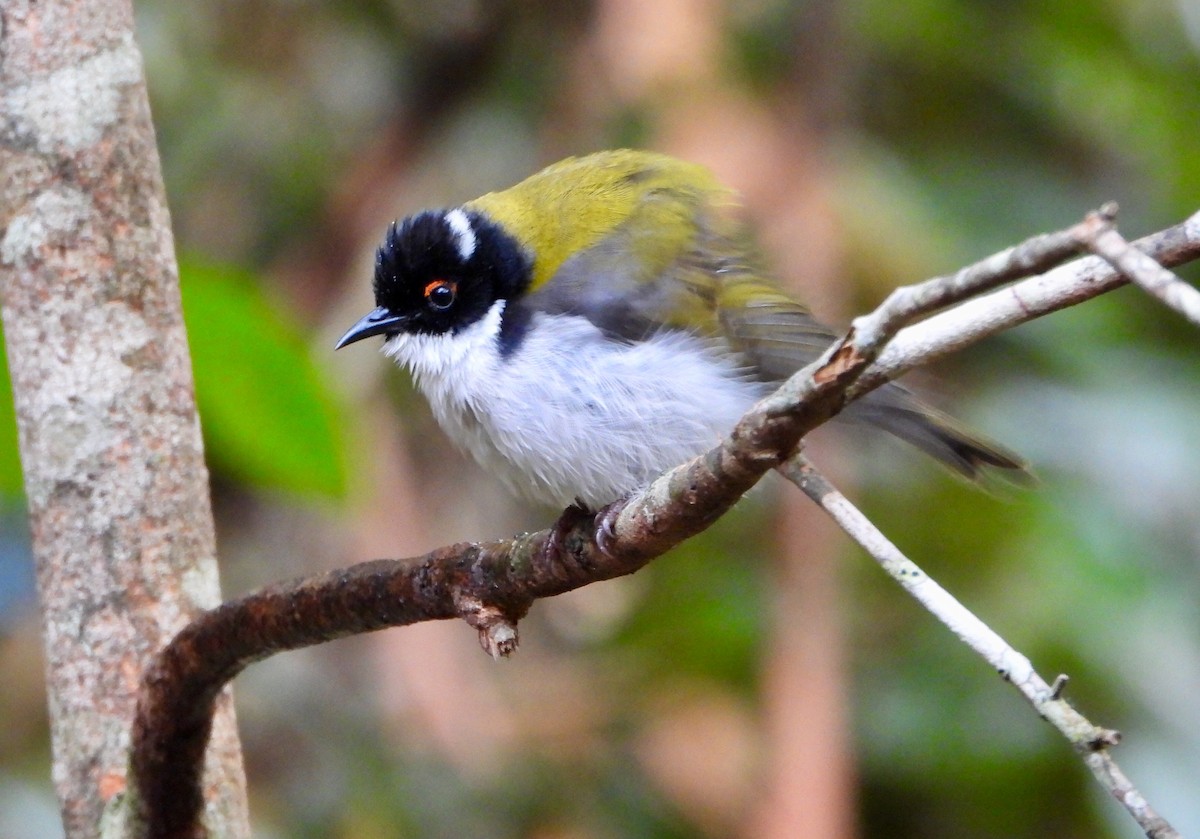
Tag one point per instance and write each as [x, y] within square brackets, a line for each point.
[570, 206]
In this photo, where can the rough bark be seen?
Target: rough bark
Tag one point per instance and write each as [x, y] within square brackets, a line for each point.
[109, 438]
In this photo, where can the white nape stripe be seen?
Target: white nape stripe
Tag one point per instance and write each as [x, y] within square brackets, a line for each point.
[463, 232]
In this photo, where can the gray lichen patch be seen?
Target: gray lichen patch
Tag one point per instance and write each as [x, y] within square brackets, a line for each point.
[50, 219]
[70, 108]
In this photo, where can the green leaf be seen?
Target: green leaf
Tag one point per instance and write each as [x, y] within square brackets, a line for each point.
[269, 418]
[10, 463]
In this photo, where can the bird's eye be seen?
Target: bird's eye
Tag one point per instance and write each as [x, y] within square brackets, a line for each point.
[441, 294]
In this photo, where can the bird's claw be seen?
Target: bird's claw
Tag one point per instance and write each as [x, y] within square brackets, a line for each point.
[605, 533]
[604, 523]
[570, 517]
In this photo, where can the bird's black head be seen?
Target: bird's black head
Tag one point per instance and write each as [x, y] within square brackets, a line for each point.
[439, 271]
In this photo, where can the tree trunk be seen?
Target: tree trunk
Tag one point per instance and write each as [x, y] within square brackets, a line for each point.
[109, 438]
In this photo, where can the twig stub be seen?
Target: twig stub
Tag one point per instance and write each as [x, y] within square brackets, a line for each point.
[497, 628]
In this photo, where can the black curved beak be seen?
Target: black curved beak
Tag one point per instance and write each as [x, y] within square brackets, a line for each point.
[378, 322]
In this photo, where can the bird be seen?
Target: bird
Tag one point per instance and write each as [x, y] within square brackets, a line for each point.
[604, 320]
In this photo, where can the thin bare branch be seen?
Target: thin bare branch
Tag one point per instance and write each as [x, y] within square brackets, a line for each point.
[1144, 271]
[1034, 255]
[1082, 279]
[1089, 740]
[1122, 789]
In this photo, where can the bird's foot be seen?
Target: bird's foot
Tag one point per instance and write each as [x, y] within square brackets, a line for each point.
[568, 520]
[603, 522]
[605, 532]
[604, 527]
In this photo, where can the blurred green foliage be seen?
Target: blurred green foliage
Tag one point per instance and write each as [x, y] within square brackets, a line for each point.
[270, 420]
[10, 462]
[721, 604]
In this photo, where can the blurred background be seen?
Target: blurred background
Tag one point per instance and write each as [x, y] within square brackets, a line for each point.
[766, 679]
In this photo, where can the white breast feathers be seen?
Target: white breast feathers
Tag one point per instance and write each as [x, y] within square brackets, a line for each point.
[570, 414]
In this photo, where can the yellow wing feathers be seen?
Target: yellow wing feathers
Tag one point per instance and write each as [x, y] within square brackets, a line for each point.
[638, 241]
[574, 204]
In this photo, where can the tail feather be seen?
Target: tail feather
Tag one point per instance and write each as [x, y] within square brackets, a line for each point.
[895, 410]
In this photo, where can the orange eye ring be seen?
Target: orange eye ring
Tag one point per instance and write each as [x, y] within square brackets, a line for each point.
[440, 294]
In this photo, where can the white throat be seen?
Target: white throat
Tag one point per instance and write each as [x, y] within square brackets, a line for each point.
[450, 360]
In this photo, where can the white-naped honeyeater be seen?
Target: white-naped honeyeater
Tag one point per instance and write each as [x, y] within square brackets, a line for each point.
[602, 321]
